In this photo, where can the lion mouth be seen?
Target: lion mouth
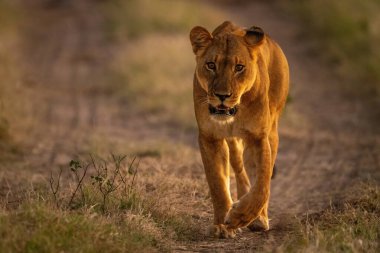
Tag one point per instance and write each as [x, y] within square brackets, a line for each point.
[222, 110]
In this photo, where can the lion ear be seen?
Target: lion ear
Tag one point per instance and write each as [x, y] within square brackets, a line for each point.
[200, 39]
[254, 35]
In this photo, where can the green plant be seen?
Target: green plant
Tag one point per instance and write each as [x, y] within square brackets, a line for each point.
[107, 181]
[55, 186]
[107, 177]
[75, 166]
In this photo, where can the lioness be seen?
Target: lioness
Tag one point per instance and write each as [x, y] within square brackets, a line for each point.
[241, 84]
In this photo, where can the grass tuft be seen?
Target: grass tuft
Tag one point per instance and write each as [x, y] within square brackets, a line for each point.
[37, 227]
[352, 227]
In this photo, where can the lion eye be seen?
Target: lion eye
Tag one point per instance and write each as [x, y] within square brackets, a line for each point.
[239, 67]
[211, 65]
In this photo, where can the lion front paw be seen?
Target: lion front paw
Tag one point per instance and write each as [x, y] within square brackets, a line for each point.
[221, 231]
[239, 216]
[260, 224]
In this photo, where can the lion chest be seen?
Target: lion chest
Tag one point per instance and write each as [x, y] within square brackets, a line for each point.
[223, 130]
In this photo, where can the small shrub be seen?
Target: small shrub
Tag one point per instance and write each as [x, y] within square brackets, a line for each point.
[108, 179]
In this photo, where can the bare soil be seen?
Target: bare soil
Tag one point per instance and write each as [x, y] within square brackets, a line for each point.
[328, 137]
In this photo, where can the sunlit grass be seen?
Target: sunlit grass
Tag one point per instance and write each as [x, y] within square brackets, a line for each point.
[38, 227]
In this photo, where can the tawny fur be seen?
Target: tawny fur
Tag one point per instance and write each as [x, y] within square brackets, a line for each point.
[248, 141]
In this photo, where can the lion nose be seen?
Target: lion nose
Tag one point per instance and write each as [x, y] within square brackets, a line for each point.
[222, 97]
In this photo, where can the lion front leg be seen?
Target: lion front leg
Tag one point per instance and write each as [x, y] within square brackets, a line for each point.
[215, 159]
[251, 206]
[262, 222]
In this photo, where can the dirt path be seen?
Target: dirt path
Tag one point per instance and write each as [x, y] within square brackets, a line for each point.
[326, 139]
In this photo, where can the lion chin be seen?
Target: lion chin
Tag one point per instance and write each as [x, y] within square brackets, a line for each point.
[223, 120]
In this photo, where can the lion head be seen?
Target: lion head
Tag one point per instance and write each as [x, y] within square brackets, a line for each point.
[226, 65]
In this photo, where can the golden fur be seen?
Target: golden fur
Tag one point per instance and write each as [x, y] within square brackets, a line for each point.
[248, 140]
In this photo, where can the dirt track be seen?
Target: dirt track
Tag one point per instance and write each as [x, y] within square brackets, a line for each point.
[326, 139]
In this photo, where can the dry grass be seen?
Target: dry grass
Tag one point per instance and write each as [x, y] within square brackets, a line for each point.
[352, 227]
[142, 212]
[38, 227]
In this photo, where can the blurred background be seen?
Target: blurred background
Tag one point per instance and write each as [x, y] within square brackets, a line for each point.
[75, 74]
[81, 77]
